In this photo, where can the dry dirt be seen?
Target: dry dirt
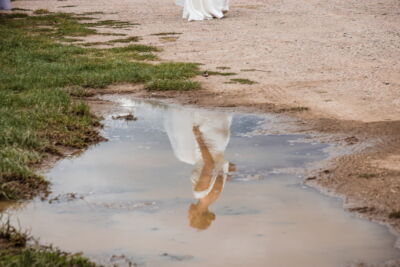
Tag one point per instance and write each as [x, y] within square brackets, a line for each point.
[334, 64]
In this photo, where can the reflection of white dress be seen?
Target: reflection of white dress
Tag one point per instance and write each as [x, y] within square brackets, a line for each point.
[203, 9]
[215, 130]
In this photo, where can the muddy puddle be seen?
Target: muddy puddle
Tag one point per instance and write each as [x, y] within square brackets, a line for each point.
[190, 187]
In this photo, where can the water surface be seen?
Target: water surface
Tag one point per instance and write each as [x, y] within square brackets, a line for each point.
[189, 187]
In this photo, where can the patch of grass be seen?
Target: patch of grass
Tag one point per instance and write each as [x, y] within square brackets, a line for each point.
[94, 43]
[67, 6]
[111, 34]
[243, 81]
[41, 11]
[37, 114]
[16, 253]
[135, 48]
[166, 33]
[12, 236]
[221, 73]
[111, 24]
[367, 175]
[78, 91]
[131, 39]
[223, 68]
[395, 215]
[248, 70]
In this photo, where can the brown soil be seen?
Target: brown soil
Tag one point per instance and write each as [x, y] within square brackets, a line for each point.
[335, 65]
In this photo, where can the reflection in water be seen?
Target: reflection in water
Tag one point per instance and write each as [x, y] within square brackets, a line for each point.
[200, 138]
[137, 196]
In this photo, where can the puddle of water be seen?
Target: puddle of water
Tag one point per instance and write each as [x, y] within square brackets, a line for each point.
[190, 187]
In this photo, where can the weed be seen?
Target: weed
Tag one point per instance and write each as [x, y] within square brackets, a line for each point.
[41, 11]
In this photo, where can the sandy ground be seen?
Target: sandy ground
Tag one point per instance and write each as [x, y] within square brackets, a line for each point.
[339, 59]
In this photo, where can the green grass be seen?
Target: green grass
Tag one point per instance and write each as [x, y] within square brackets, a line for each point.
[111, 23]
[131, 39]
[16, 253]
[242, 81]
[37, 113]
[221, 73]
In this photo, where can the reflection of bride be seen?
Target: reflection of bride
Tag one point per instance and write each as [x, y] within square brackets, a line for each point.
[200, 139]
[203, 9]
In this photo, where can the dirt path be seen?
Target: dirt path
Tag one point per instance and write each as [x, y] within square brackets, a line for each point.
[339, 58]
[337, 61]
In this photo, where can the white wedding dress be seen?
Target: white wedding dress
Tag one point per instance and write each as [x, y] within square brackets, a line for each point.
[203, 9]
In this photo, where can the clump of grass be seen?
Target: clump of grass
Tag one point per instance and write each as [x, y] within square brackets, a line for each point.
[395, 215]
[242, 81]
[41, 11]
[131, 39]
[111, 24]
[45, 257]
[16, 252]
[247, 70]
[111, 34]
[223, 68]
[37, 114]
[12, 236]
[135, 48]
[166, 33]
[221, 73]
[67, 6]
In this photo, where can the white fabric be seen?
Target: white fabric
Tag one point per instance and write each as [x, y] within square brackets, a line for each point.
[215, 131]
[203, 9]
[5, 4]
